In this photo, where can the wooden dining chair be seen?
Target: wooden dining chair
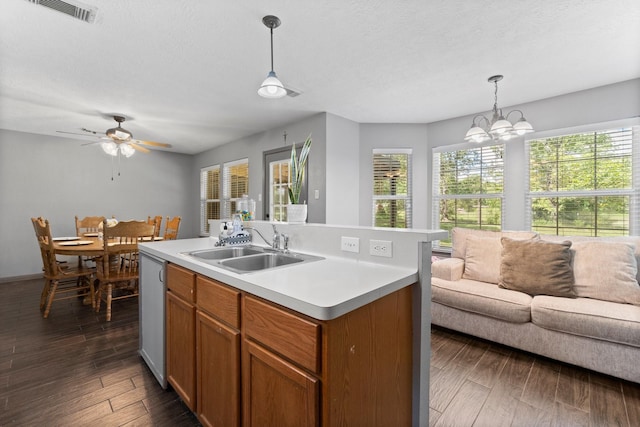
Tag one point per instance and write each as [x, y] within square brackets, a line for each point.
[157, 223]
[117, 268]
[171, 228]
[61, 281]
[88, 224]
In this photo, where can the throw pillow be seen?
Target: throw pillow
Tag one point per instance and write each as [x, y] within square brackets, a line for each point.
[459, 238]
[537, 267]
[482, 259]
[606, 271]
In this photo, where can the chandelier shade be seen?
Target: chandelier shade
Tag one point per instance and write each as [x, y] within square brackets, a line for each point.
[499, 127]
[271, 87]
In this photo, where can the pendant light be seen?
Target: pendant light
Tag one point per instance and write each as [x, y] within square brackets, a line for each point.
[499, 127]
[271, 87]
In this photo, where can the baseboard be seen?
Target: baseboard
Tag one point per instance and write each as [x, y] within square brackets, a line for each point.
[20, 278]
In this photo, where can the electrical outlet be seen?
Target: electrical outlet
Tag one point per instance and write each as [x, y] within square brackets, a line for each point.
[381, 248]
[350, 244]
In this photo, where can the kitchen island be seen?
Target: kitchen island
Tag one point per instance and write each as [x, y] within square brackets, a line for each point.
[350, 330]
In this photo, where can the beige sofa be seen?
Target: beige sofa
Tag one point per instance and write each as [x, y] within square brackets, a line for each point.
[577, 302]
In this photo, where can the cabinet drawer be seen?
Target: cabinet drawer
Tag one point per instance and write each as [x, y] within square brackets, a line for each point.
[219, 300]
[292, 336]
[182, 282]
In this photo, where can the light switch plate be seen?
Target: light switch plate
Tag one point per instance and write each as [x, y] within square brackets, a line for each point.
[350, 244]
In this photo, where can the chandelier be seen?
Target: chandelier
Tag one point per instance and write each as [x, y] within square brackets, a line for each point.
[499, 128]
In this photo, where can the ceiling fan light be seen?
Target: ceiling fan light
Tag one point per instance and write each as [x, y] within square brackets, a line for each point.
[127, 150]
[522, 126]
[110, 147]
[476, 134]
[272, 87]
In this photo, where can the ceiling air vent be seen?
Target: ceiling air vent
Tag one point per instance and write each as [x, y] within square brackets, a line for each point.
[74, 9]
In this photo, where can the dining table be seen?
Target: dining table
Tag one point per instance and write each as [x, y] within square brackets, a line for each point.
[89, 245]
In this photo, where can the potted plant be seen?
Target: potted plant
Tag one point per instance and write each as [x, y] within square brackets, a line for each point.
[297, 212]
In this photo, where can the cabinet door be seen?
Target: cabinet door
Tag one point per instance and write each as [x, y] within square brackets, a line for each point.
[181, 348]
[218, 361]
[276, 393]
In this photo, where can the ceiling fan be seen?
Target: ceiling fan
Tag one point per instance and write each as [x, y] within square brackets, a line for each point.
[120, 141]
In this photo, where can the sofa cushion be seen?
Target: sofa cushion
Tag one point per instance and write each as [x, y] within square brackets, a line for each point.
[606, 271]
[459, 238]
[448, 268]
[482, 298]
[633, 240]
[604, 320]
[482, 259]
[537, 267]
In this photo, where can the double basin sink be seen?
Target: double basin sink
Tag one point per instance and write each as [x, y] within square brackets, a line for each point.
[246, 259]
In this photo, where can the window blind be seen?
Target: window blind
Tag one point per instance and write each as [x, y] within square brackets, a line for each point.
[583, 183]
[392, 192]
[209, 196]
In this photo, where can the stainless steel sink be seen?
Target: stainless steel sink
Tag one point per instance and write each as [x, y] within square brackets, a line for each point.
[246, 259]
[265, 261]
[226, 252]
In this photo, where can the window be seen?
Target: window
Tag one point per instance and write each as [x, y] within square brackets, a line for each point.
[582, 184]
[468, 188]
[209, 196]
[235, 184]
[279, 177]
[392, 188]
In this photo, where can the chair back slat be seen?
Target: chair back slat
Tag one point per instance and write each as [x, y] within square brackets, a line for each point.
[120, 254]
[156, 221]
[88, 224]
[45, 242]
[171, 228]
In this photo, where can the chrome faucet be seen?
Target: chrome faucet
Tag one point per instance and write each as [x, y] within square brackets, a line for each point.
[275, 243]
[276, 238]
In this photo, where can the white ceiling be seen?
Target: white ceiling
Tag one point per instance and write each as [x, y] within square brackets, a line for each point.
[186, 73]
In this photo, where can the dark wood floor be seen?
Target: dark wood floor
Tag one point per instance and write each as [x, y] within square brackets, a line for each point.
[478, 383]
[76, 369]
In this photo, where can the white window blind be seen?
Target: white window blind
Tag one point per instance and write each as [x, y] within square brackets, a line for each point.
[468, 187]
[209, 196]
[392, 197]
[583, 183]
[235, 184]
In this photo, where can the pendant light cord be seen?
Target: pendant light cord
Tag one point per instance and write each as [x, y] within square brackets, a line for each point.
[271, 29]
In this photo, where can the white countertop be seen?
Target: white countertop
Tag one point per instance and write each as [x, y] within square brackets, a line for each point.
[323, 289]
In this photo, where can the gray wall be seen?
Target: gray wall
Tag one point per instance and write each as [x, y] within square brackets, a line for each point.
[254, 146]
[602, 104]
[57, 178]
[412, 136]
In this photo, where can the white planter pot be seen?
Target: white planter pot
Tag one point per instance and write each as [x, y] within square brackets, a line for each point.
[296, 213]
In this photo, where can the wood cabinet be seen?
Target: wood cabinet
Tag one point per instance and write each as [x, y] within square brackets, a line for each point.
[181, 333]
[260, 364]
[276, 392]
[218, 354]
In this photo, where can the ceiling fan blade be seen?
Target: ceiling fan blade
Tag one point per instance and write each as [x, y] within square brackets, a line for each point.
[151, 143]
[72, 133]
[139, 147]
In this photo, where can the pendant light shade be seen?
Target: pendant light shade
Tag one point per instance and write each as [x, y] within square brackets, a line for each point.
[271, 87]
[499, 127]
